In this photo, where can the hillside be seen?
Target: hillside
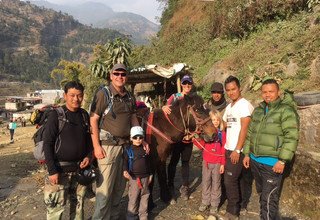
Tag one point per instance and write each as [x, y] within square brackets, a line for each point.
[98, 15]
[250, 39]
[34, 39]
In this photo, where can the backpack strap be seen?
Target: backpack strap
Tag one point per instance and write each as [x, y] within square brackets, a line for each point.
[109, 100]
[220, 137]
[85, 119]
[130, 154]
[62, 121]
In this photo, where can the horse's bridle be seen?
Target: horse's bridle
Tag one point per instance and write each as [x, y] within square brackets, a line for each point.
[186, 122]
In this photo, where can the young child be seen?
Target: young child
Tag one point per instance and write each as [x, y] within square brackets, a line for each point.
[137, 171]
[212, 165]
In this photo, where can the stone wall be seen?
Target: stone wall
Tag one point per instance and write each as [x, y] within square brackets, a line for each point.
[301, 189]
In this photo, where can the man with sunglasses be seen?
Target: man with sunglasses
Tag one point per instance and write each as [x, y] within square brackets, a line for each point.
[110, 131]
[181, 149]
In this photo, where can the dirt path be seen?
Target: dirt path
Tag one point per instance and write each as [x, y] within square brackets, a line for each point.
[21, 186]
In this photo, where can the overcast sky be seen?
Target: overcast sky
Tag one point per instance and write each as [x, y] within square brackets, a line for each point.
[147, 8]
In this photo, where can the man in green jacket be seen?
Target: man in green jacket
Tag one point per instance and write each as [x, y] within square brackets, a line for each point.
[271, 142]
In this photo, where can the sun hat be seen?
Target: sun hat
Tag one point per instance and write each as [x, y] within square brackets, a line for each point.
[136, 130]
[186, 78]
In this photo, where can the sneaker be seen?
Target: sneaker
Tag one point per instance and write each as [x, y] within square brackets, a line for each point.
[203, 207]
[213, 210]
[184, 190]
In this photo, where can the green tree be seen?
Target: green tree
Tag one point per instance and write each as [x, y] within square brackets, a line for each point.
[68, 71]
[98, 68]
[117, 51]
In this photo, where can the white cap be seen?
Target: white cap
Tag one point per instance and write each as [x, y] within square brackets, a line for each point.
[136, 130]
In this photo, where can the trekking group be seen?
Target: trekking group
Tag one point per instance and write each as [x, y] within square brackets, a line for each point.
[251, 143]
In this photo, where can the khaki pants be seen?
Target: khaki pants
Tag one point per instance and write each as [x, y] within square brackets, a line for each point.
[55, 197]
[110, 184]
[138, 199]
[211, 184]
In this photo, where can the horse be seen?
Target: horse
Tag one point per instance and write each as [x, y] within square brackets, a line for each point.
[187, 117]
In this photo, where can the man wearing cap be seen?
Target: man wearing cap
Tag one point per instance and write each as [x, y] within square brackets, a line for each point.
[217, 100]
[111, 119]
[180, 149]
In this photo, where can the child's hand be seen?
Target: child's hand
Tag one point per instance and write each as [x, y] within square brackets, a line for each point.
[150, 179]
[221, 169]
[126, 175]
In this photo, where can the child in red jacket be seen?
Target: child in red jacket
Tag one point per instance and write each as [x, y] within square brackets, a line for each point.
[212, 165]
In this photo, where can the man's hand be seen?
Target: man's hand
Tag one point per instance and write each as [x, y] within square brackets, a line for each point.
[146, 147]
[54, 178]
[85, 162]
[234, 156]
[221, 169]
[246, 162]
[126, 175]
[278, 167]
[99, 152]
[166, 109]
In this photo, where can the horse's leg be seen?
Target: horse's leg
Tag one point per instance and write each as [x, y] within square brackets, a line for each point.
[151, 204]
[162, 178]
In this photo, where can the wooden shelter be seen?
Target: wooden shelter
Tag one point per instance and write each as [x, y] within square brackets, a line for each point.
[157, 74]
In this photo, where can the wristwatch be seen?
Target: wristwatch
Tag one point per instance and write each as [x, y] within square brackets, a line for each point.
[238, 151]
[283, 162]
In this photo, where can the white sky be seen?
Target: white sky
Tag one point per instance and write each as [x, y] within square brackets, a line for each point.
[147, 8]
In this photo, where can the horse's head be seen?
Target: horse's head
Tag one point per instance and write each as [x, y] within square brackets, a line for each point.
[196, 116]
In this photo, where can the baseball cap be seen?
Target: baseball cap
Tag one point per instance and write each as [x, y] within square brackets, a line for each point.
[119, 66]
[186, 78]
[136, 130]
[217, 87]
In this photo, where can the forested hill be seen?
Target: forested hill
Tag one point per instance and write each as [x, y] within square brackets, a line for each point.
[250, 39]
[34, 39]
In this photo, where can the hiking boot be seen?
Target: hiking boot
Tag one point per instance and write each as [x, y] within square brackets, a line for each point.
[184, 190]
[203, 207]
[173, 200]
[213, 210]
[229, 216]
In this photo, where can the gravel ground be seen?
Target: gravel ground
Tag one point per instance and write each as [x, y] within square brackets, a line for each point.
[21, 187]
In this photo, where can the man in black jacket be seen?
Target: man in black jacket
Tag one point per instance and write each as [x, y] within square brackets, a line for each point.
[73, 152]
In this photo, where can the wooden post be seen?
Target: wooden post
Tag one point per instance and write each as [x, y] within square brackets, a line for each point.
[178, 83]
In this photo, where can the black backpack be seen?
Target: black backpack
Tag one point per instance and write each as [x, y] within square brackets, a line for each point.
[38, 136]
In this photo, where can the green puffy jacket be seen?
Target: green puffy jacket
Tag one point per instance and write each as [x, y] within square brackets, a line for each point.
[274, 133]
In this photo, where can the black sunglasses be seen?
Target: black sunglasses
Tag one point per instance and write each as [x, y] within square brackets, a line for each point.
[118, 74]
[187, 83]
[137, 137]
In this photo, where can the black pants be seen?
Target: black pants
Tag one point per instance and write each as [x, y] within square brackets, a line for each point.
[232, 176]
[183, 151]
[268, 184]
[246, 181]
[11, 134]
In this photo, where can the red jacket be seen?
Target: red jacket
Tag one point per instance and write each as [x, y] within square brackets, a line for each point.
[212, 152]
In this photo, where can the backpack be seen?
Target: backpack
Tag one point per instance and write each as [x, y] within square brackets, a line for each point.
[38, 116]
[38, 136]
[131, 159]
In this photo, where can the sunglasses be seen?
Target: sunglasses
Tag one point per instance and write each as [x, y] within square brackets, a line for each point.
[137, 137]
[187, 83]
[120, 74]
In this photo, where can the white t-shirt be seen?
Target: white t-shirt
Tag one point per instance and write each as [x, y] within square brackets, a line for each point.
[233, 114]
